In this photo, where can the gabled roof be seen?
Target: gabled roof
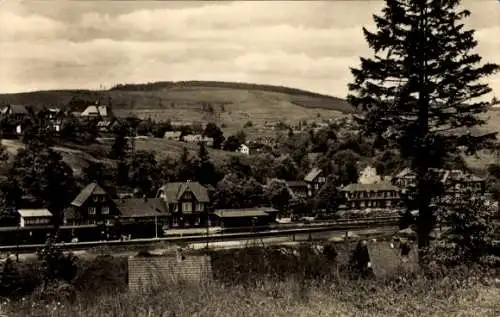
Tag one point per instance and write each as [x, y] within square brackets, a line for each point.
[95, 110]
[245, 212]
[370, 187]
[175, 190]
[15, 109]
[89, 190]
[141, 207]
[33, 213]
[312, 174]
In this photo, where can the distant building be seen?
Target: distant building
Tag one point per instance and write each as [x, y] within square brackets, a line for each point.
[374, 196]
[187, 202]
[16, 111]
[34, 217]
[92, 206]
[369, 175]
[455, 181]
[244, 149]
[173, 135]
[97, 111]
[192, 138]
[314, 180]
[245, 217]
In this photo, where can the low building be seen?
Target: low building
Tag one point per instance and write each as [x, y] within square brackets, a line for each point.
[187, 202]
[142, 210]
[373, 196]
[34, 217]
[192, 138]
[142, 217]
[244, 149]
[173, 135]
[314, 180]
[247, 217]
[153, 272]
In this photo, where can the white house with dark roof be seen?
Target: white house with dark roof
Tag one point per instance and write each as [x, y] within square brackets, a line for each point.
[244, 149]
[34, 217]
[187, 202]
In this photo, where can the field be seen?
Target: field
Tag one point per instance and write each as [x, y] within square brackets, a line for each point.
[252, 288]
[230, 104]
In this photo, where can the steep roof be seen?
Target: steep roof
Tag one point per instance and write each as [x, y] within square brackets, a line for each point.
[312, 174]
[95, 110]
[246, 212]
[175, 190]
[33, 213]
[140, 207]
[370, 187]
[89, 190]
[15, 109]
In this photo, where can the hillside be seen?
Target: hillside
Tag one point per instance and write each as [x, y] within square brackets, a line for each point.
[231, 104]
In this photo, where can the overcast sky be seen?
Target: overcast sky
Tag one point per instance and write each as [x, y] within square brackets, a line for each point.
[303, 44]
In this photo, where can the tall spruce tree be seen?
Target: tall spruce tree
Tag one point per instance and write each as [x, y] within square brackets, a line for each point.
[420, 91]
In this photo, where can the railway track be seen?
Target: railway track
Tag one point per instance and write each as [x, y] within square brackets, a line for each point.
[368, 223]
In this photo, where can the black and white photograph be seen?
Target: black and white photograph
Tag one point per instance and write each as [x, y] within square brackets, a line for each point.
[249, 158]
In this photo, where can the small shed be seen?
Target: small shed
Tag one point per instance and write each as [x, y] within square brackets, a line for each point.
[34, 217]
[245, 217]
[145, 273]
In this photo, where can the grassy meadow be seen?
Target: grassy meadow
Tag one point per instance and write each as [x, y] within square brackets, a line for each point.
[274, 282]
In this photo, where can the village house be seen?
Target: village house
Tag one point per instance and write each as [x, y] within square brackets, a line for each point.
[92, 206]
[98, 111]
[314, 180]
[369, 175]
[34, 217]
[372, 196]
[17, 113]
[244, 149]
[187, 202]
[172, 135]
[455, 181]
[192, 138]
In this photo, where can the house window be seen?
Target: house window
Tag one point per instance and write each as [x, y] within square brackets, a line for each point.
[188, 196]
[96, 198]
[92, 222]
[92, 211]
[187, 207]
[199, 207]
[105, 210]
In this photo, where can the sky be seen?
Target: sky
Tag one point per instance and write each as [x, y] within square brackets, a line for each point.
[310, 45]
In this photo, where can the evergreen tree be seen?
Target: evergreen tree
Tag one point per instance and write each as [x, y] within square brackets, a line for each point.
[206, 169]
[420, 91]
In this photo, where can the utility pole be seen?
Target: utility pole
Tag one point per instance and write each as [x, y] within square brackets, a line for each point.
[156, 227]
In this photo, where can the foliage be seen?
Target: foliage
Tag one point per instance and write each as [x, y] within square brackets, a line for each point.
[55, 265]
[232, 143]
[471, 234]
[144, 173]
[278, 194]
[420, 90]
[45, 177]
[206, 173]
[328, 197]
[120, 145]
[237, 192]
[213, 131]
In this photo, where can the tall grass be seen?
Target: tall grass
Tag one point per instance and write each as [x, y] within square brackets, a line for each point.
[271, 282]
